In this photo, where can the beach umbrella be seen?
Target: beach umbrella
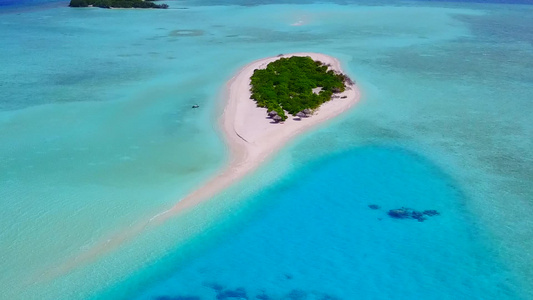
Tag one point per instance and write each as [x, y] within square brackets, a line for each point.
[348, 80]
[307, 112]
[301, 115]
[277, 118]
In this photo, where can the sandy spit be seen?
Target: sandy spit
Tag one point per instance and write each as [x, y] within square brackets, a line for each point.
[251, 137]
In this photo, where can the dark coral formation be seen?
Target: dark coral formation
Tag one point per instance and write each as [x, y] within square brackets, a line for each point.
[431, 212]
[224, 293]
[238, 293]
[215, 286]
[373, 206]
[328, 297]
[296, 295]
[263, 296]
[400, 213]
[409, 213]
[178, 298]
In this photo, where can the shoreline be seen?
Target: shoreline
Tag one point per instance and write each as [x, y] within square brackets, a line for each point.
[251, 139]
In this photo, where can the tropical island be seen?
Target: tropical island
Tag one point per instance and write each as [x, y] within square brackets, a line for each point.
[250, 136]
[116, 4]
[296, 85]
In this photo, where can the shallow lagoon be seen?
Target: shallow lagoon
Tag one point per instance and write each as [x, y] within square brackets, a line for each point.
[97, 133]
[313, 236]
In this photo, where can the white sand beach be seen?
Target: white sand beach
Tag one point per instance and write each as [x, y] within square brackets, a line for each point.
[251, 137]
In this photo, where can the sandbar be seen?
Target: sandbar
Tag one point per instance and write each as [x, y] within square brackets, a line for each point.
[252, 138]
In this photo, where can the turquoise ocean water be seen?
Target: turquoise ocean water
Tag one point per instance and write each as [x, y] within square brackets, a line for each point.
[97, 135]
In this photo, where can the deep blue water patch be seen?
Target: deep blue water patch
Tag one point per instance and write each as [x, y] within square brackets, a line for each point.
[314, 236]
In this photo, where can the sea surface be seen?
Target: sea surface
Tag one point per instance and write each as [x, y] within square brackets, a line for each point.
[97, 136]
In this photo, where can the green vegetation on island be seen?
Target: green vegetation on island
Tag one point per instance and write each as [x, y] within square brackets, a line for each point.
[116, 4]
[287, 84]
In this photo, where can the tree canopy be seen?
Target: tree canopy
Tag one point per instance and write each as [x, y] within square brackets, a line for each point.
[117, 3]
[287, 85]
